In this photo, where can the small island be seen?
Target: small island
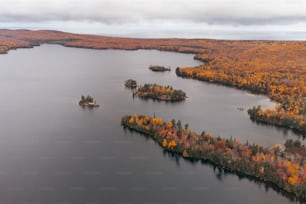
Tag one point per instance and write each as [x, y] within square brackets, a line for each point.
[157, 92]
[156, 68]
[131, 83]
[284, 166]
[88, 101]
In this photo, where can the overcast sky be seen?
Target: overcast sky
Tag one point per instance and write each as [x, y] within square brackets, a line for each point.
[229, 19]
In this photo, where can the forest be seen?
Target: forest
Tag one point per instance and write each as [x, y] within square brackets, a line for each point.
[281, 165]
[283, 85]
[276, 69]
[158, 92]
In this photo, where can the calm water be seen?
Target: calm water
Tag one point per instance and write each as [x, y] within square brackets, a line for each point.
[53, 151]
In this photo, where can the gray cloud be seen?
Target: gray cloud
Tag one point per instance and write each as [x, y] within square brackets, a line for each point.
[212, 12]
[221, 19]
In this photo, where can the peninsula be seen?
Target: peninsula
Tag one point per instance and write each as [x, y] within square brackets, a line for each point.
[273, 68]
[282, 165]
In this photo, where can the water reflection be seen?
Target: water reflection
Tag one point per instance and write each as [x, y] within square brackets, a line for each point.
[221, 173]
[50, 147]
[284, 131]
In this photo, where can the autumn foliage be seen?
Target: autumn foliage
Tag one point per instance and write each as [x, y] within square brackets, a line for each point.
[282, 165]
[274, 68]
[158, 92]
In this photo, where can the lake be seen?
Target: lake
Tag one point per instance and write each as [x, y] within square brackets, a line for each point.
[53, 151]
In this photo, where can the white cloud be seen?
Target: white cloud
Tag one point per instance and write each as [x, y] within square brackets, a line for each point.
[211, 14]
[136, 11]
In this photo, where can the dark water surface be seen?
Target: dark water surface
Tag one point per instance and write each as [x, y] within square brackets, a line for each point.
[53, 151]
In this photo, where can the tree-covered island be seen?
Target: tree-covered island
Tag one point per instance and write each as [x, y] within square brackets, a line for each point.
[156, 68]
[157, 92]
[88, 101]
[130, 83]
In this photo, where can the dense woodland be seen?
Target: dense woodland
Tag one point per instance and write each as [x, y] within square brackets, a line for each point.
[158, 92]
[286, 86]
[282, 165]
[274, 68]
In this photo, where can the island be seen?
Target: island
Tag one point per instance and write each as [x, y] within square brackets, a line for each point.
[158, 92]
[157, 68]
[88, 101]
[130, 83]
[273, 68]
[283, 166]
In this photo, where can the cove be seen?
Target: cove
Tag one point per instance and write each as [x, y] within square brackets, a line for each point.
[52, 150]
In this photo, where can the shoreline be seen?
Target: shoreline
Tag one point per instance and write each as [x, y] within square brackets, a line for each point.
[221, 54]
[159, 93]
[165, 135]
